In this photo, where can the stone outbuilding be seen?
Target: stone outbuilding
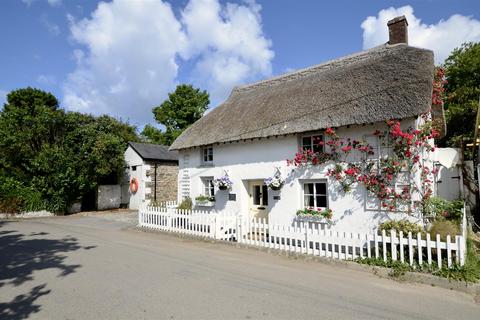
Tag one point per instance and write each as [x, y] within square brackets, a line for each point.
[153, 171]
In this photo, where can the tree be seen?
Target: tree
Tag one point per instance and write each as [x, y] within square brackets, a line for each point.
[183, 107]
[462, 71]
[56, 156]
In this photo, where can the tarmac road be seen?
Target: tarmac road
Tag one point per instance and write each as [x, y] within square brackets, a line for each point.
[98, 267]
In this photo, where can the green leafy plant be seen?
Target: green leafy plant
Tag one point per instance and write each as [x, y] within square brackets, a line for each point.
[401, 225]
[186, 204]
[441, 209]
[326, 213]
[203, 198]
[57, 157]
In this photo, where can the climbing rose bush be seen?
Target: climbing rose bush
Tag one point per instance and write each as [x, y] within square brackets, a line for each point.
[409, 148]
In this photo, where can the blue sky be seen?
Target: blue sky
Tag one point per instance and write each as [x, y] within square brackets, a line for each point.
[123, 57]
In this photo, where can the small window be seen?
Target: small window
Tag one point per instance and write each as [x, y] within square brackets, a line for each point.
[207, 155]
[208, 187]
[134, 168]
[313, 142]
[315, 195]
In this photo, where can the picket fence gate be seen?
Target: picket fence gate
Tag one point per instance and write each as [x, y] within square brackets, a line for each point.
[307, 238]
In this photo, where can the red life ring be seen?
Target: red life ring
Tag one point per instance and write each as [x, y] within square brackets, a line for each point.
[134, 185]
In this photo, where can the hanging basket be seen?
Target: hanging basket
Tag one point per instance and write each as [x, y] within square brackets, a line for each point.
[222, 187]
[276, 188]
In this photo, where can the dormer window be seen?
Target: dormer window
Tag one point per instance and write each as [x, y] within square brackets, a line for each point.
[312, 142]
[207, 155]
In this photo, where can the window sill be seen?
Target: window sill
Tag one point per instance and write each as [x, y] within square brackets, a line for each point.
[203, 165]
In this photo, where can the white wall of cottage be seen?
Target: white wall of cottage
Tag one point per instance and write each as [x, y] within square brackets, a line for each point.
[132, 158]
[257, 159]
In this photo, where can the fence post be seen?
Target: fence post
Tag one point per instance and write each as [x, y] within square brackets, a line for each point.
[215, 226]
[393, 245]
[140, 209]
[463, 243]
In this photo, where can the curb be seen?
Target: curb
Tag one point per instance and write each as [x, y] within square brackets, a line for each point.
[409, 277]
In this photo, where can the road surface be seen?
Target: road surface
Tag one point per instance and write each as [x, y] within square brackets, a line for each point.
[98, 267]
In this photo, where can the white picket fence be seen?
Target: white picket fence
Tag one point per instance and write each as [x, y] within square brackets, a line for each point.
[305, 238]
[311, 240]
[198, 223]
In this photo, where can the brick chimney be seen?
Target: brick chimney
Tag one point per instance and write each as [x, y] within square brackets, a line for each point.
[398, 30]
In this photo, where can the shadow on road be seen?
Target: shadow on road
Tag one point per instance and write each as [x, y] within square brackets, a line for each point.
[22, 306]
[22, 255]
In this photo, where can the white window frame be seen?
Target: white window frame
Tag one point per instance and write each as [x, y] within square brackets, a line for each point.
[311, 145]
[208, 188]
[382, 150]
[207, 155]
[315, 193]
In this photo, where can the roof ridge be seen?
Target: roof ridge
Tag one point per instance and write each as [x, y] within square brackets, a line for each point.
[351, 58]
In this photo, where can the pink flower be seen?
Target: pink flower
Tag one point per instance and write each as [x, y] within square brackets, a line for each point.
[329, 131]
[347, 148]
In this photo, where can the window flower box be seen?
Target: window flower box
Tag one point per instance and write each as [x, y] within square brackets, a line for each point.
[315, 215]
[204, 201]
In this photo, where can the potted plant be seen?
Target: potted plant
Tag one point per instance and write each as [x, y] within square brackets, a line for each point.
[315, 215]
[276, 182]
[205, 201]
[223, 183]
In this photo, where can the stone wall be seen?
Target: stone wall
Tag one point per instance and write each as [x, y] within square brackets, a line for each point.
[167, 178]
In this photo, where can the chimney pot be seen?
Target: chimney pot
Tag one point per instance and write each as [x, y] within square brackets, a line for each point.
[398, 30]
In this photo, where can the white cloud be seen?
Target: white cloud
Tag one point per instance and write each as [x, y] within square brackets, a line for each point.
[53, 3]
[133, 51]
[229, 41]
[441, 37]
[51, 27]
[46, 80]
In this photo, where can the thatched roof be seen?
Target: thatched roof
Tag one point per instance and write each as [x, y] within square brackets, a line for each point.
[386, 82]
[155, 152]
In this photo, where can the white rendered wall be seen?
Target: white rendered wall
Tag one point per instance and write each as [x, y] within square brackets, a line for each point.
[256, 160]
[133, 159]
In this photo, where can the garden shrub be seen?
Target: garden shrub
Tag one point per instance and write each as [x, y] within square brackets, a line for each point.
[443, 228]
[186, 204]
[442, 209]
[401, 225]
[16, 197]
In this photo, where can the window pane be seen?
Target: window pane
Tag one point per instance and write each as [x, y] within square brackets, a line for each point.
[256, 195]
[321, 188]
[308, 201]
[317, 148]
[307, 142]
[211, 187]
[322, 201]
[265, 195]
[308, 188]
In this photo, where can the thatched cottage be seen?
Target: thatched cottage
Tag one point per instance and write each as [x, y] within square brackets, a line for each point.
[250, 136]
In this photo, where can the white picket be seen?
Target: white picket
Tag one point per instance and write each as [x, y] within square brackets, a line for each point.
[304, 237]
[419, 247]
[439, 252]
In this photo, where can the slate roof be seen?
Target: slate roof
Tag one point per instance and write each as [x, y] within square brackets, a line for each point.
[150, 151]
[385, 82]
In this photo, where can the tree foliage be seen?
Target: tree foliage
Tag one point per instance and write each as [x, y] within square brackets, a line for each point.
[183, 107]
[59, 155]
[462, 71]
